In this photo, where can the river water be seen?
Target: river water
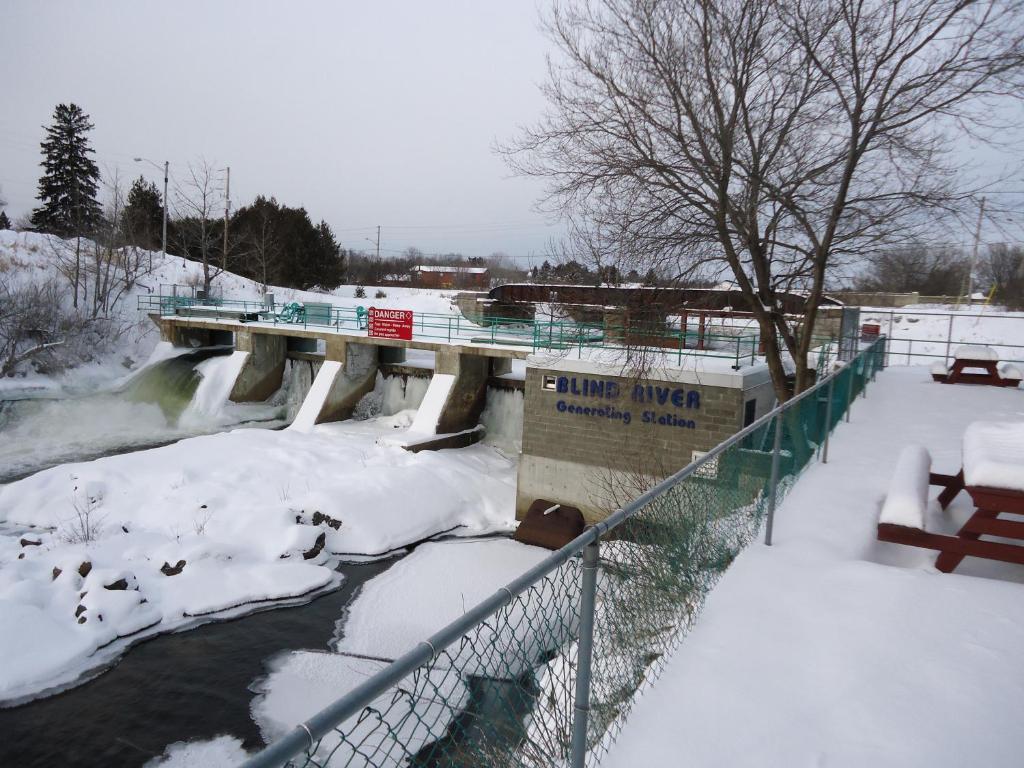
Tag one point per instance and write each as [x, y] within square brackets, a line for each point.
[180, 687]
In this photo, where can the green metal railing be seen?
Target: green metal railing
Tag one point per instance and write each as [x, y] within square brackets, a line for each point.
[545, 672]
[564, 335]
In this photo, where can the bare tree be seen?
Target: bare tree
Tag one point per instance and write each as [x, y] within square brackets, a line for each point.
[765, 139]
[199, 203]
[931, 270]
[1001, 271]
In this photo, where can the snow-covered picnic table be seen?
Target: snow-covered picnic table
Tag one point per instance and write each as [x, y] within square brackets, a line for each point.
[969, 360]
[992, 473]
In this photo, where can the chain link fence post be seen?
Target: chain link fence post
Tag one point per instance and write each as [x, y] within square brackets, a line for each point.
[773, 482]
[581, 706]
[828, 419]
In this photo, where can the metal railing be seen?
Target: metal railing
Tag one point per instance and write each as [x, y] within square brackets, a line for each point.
[566, 335]
[545, 671]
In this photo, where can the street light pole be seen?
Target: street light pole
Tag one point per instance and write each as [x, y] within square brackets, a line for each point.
[163, 249]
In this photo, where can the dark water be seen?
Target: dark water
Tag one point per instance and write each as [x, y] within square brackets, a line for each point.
[179, 687]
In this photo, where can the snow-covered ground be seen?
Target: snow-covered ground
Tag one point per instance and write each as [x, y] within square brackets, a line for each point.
[831, 648]
[918, 334]
[255, 515]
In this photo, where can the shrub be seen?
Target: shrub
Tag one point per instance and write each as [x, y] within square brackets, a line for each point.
[360, 292]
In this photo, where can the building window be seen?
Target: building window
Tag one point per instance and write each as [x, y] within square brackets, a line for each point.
[548, 383]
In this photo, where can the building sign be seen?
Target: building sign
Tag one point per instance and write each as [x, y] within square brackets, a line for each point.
[390, 323]
[663, 406]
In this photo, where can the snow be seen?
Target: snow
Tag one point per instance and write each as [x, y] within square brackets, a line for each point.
[939, 368]
[408, 603]
[432, 404]
[919, 334]
[1008, 371]
[238, 508]
[907, 498]
[994, 455]
[216, 753]
[428, 590]
[975, 352]
[831, 648]
[313, 403]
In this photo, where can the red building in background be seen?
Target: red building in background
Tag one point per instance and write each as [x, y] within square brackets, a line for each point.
[472, 278]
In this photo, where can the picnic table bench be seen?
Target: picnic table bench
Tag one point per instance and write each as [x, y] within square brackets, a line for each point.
[993, 475]
[977, 365]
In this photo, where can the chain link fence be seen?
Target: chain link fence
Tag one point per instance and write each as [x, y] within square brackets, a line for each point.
[545, 671]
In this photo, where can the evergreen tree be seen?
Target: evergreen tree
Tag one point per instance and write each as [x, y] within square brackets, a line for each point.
[5, 223]
[142, 221]
[67, 189]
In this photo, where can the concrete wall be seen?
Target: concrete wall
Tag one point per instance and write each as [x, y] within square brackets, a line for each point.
[594, 461]
[468, 395]
[356, 378]
[263, 371]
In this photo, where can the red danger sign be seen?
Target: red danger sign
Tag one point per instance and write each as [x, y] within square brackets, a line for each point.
[390, 323]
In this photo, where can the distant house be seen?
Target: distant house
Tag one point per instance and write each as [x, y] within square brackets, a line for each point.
[476, 278]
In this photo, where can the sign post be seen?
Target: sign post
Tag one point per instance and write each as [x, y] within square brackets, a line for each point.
[390, 323]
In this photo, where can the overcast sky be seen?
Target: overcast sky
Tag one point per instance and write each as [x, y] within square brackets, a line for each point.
[365, 113]
[373, 112]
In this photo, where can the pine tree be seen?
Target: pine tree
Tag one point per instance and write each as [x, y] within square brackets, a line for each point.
[67, 189]
[143, 216]
[5, 223]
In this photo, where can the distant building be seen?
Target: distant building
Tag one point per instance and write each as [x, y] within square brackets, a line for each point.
[451, 277]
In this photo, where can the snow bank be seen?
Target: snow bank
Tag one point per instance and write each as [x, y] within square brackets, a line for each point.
[255, 514]
[217, 753]
[994, 455]
[907, 499]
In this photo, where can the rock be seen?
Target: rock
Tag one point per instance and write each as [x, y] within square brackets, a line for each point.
[21, 555]
[124, 528]
[320, 517]
[84, 568]
[318, 547]
[79, 610]
[30, 543]
[81, 619]
[56, 572]
[172, 570]
[119, 584]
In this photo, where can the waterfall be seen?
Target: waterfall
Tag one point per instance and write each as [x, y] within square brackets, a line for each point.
[391, 395]
[298, 378]
[502, 417]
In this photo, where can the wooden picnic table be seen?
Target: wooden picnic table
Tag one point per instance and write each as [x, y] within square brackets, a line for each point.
[993, 475]
[977, 365]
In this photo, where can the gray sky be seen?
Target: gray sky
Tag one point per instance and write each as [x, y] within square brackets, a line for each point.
[366, 113]
[373, 112]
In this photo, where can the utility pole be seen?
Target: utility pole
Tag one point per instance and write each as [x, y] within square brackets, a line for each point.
[974, 254]
[227, 210]
[378, 242]
[164, 241]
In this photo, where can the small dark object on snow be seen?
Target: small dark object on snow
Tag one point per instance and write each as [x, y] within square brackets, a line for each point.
[550, 525]
[21, 555]
[318, 547]
[84, 569]
[320, 517]
[81, 619]
[79, 610]
[172, 570]
[30, 543]
[117, 585]
[124, 528]
[56, 572]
